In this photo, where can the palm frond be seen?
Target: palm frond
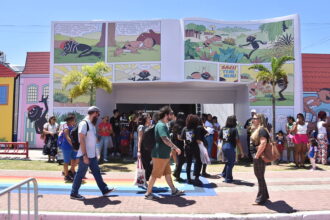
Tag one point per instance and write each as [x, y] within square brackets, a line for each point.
[74, 77]
[75, 92]
[104, 83]
[280, 62]
[259, 67]
[86, 84]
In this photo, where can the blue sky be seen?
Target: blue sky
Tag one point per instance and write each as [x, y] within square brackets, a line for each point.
[25, 25]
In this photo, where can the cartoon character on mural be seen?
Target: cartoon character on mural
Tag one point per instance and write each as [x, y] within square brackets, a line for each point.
[74, 47]
[314, 104]
[145, 41]
[143, 76]
[283, 85]
[38, 116]
[204, 75]
[252, 40]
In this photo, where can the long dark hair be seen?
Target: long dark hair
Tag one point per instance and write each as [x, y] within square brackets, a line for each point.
[231, 121]
[192, 121]
[143, 118]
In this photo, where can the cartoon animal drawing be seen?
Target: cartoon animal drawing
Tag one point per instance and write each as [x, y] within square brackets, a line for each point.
[204, 75]
[311, 103]
[134, 46]
[209, 41]
[283, 85]
[254, 43]
[36, 115]
[74, 47]
[143, 76]
[153, 35]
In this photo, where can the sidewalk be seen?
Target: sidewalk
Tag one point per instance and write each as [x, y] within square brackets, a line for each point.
[290, 192]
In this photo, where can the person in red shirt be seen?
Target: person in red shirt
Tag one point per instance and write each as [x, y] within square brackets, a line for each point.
[104, 132]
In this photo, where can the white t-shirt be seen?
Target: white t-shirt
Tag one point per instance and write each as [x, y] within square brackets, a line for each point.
[302, 129]
[90, 138]
[320, 128]
[51, 128]
[209, 127]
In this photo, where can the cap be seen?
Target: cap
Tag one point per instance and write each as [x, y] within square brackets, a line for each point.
[253, 111]
[93, 109]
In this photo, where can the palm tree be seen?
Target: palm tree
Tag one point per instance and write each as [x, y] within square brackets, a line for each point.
[88, 80]
[272, 76]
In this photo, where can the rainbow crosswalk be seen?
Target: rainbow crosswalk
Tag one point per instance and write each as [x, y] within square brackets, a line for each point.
[124, 187]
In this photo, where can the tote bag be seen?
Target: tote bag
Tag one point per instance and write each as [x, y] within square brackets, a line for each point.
[140, 177]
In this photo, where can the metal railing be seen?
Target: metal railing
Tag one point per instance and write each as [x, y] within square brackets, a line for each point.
[18, 186]
[15, 148]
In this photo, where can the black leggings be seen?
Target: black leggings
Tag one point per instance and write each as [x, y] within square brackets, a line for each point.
[146, 161]
[192, 152]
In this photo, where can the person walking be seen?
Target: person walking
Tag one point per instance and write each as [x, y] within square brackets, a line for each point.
[259, 139]
[87, 155]
[209, 126]
[229, 136]
[289, 138]
[300, 140]
[161, 154]
[322, 138]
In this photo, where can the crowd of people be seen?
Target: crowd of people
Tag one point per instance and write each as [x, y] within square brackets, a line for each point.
[187, 139]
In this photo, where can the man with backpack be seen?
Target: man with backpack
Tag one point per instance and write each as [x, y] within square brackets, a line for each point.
[87, 154]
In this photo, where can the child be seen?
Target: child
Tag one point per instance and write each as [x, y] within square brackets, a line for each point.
[124, 141]
[312, 152]
[280, 143]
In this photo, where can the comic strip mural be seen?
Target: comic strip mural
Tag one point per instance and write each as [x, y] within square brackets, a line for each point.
[79, 42]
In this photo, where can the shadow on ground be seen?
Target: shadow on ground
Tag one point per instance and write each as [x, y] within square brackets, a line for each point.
[114, 167]
[280, 207]
[175, 200]
[243, 183]
[100, 202]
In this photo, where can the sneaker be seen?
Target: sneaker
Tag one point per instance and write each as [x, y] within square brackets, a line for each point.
[150, 196]
[198, 182]
[68, 179]
[107, 193]
[177, 192]
[189, 181]
[77, 197]
[206, 175]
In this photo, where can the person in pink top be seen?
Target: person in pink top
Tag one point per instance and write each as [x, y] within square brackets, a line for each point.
[300, 140]
[104, 132]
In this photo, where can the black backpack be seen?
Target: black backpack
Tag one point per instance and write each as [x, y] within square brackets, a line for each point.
[74, 136]
[148, 139]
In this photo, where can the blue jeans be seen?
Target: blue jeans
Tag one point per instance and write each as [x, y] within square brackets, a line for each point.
[82, 169]
[116, 143]
[104, 145]
[230, 155]
[209, 140]
[135, 147]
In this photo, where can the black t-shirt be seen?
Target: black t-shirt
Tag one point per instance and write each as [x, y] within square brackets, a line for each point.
[115, 122]
[229, 135]
[262, 133]
[189, 137]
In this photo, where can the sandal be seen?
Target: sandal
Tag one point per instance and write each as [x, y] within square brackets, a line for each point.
[150, 196]
[177, 192]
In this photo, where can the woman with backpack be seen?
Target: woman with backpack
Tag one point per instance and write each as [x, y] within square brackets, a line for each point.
[259, 139]
[144, 153]
[69, 153]
[51, 135]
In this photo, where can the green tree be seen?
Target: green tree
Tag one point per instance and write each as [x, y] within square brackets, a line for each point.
[272, 76]
[87, 81]
[275, 29]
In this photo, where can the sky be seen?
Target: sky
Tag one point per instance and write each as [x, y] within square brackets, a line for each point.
[25, 26]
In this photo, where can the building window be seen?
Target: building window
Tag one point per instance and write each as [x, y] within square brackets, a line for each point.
[45, 90]
[32, 94]
[3, 94]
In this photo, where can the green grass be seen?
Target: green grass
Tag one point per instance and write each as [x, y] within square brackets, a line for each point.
[118, 165]
[79, 99]
[73, 58]
[141, 55]
[81, 40]
[266, 101]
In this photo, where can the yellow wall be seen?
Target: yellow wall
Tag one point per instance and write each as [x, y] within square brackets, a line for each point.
[6, 111]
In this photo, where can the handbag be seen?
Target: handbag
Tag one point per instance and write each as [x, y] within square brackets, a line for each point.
[140, 177]
[270, 153]
[204, 154]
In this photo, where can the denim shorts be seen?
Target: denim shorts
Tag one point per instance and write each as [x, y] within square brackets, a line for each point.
[68, 155]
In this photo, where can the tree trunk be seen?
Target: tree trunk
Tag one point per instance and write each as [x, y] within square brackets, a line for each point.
[111, 34]
[274, 107]
[91, 97]
[101, 43]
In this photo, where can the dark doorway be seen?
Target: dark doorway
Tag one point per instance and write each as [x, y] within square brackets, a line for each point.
[186, 108]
